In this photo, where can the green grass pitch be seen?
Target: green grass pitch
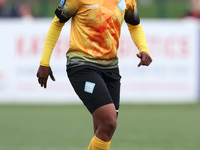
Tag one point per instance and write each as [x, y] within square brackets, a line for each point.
[69, 127]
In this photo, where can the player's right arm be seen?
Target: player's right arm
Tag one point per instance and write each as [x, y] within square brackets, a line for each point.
[64, 12]
[51, 39]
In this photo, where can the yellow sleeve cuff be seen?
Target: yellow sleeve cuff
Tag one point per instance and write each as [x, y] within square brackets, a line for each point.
[51, 40]
[138, 37]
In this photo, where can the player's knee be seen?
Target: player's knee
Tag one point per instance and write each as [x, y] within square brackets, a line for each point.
[110, 124]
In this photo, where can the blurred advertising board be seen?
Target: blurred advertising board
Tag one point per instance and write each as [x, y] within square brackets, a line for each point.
[173, 77]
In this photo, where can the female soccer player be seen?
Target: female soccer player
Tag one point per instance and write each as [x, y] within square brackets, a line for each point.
[92, 62]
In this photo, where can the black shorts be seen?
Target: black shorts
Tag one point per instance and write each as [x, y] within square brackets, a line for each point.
[96, 87]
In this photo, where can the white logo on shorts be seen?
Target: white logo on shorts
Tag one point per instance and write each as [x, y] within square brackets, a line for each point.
[89, 87]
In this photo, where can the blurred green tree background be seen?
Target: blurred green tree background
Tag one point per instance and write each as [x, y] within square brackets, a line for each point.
[147, 8]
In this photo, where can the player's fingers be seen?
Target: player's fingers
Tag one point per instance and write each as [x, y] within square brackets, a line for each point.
[145, 60]
[42, 82]
[45, 83]
[148, 63]
[140, 64]
[149, 60]
[51, 76]
[38, 77]
[138, 55]
[39, 80]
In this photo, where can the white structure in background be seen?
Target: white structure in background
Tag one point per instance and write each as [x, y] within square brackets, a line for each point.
[171, 78]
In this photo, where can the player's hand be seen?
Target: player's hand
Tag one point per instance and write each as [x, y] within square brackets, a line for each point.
[145, 59]
[43, 74]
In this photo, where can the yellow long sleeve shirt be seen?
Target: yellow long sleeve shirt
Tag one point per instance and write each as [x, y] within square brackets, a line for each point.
[95, 31]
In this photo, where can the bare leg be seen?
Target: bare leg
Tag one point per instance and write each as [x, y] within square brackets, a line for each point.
[105, 122]
[95, 126]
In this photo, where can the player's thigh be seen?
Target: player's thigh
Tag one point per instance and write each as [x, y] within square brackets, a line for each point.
[114, 90]
[113, 83]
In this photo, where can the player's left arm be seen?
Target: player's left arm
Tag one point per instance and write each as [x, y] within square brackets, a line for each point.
[133, 21]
